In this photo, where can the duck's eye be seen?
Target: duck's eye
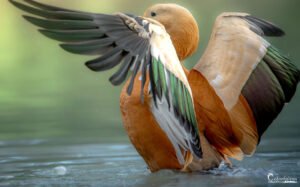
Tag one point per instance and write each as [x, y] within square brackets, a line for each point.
[153, 14]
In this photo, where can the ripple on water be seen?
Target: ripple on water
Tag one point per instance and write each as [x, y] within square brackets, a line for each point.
[237, 171]
[6, 177]
[92, 165]
[51, 172]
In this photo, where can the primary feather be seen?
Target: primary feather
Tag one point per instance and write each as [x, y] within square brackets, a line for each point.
[141, 46]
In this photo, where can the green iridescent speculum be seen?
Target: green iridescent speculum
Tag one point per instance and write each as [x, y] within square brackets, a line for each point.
[177, 95]
[288, 79]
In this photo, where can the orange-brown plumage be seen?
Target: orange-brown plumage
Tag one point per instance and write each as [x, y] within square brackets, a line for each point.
[189, 120]
[224, 129]
[219, 128]
[144, 132]
[212, 117]
[184, 33]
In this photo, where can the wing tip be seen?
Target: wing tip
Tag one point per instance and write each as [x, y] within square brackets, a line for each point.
[47, 33]
[15, 2]
[12, 2]
[33, 20]
[89, 64]
[63, 46]
[70, 48]
[268, 28]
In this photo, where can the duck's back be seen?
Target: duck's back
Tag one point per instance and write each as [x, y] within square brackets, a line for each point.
[232, 133]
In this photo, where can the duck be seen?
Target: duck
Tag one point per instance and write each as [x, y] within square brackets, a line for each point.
[176, 118]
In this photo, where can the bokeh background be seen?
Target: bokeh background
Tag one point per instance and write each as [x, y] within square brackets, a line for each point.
[47, 93]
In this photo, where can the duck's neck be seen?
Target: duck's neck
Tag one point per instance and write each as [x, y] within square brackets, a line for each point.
[185, 39]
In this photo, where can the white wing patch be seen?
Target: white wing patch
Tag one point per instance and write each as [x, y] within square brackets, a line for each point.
[171, 126]
[232, 54]
[162, 48]
[217, 80]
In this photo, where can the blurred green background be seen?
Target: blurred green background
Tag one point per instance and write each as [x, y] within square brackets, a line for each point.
[47, 93]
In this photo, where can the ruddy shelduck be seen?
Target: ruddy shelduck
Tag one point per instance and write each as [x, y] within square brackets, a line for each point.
[181, 119]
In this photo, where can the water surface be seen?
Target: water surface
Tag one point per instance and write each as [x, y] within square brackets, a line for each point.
[52, 163]
[60, 123]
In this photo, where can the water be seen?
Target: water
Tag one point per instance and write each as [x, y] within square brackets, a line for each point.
[60, 124]
[52, 163]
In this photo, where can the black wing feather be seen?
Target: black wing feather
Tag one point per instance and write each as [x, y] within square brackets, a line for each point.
[72, 35]
[144, 74]
[119, 77]
[44, 6]
[106, 61]
[263, 84]
[61, 24]
[275, 78]
[92, 34]
[268, 28]
[116, 39]
[135, 71]
[88, 47]
[58, 13]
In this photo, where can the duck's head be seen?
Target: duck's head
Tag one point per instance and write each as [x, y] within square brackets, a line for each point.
[180, 25]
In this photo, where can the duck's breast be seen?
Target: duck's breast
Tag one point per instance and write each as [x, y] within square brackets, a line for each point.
[144, 132]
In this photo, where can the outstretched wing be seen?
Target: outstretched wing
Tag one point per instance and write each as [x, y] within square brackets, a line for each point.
[238, 60]
[115, 38]
[136, 44]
